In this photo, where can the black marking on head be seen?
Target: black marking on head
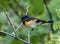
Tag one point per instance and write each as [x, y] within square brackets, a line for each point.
[26, 18]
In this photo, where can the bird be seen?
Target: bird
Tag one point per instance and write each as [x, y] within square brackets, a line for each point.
[32, 22]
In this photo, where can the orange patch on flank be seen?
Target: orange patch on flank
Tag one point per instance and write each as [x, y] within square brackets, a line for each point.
[27, 23]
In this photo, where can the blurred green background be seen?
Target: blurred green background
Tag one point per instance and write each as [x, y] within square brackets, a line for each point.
[37, 9]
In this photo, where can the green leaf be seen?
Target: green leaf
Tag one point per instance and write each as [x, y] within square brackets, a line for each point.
[58, 14]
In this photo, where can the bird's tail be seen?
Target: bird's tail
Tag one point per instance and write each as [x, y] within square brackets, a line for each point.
[42, 21]
[47, 21]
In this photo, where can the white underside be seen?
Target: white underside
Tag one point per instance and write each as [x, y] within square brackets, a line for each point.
[34, 24]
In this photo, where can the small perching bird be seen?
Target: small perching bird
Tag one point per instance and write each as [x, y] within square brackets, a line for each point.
[32, 22]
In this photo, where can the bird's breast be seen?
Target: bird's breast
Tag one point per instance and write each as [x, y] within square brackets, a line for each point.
[31, 23]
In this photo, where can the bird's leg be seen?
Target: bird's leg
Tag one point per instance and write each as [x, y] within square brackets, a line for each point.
[31, 30]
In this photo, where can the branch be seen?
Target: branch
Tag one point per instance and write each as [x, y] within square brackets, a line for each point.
[29, 36]
[15, 24]
[2, 34]
[50, 15]
[13, 35]
[10, 22]
[18, 28]
[29, 33]
[15, 30]
[16, 37]
[27, 9]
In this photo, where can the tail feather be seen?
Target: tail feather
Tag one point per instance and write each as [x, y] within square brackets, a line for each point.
[48, 21]
[42, 21]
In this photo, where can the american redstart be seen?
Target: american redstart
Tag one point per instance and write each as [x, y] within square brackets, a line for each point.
[32, 22]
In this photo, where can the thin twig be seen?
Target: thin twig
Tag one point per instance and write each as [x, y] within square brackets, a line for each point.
[29, 32]
[29, 37]
[16, 14]
[10, 22]
[50, 15]
[7, 33]
[4, 9]
[12, 35]
[18, 28]
[27, 9]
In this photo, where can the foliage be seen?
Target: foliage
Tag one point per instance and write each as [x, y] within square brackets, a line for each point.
[37, 9]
